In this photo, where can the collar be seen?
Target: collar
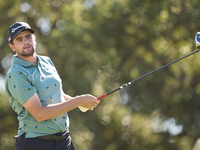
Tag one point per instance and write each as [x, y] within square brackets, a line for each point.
[22, 62]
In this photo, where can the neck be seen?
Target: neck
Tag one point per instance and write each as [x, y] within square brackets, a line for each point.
[32, 59]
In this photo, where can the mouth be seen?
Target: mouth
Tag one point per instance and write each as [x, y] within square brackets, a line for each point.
[27, 47]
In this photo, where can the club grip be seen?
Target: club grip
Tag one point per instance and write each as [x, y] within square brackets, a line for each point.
[102, 96]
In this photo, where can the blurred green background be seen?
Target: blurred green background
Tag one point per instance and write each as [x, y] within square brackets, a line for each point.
[98, 45]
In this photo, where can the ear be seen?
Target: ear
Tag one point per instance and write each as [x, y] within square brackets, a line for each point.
[12, 47]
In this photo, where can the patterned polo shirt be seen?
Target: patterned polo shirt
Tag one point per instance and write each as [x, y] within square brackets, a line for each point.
[23, 80]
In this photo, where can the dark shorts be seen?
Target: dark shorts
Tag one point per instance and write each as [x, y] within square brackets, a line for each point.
[22, 143]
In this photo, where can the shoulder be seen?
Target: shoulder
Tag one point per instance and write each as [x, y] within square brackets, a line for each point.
[15, 70]
[45, 59]
[18, 75]
[18, 72]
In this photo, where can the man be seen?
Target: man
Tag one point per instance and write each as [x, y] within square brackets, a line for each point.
[35, 93]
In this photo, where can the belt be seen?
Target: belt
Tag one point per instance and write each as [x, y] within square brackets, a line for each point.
[55, 137]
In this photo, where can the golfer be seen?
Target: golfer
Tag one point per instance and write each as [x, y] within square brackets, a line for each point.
[34, 90]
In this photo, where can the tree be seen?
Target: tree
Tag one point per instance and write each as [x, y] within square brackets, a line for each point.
[98, 46]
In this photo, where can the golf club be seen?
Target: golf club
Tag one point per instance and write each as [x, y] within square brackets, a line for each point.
[197, 43]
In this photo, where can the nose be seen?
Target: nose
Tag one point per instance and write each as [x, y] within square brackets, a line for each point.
[25, 40]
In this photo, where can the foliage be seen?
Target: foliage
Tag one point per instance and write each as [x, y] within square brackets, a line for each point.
[97, 46]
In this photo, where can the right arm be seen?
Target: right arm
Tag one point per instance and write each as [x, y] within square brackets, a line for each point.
[41, 113]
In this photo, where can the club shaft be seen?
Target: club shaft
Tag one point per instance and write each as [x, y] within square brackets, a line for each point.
[129, 83]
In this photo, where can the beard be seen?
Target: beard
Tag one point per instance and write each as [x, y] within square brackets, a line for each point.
[29, 52]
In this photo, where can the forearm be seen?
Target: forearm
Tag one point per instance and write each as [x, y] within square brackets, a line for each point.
[50, 111]
[41, 113]
[54, 110]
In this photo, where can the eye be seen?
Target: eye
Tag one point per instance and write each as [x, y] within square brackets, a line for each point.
[28, 36]
[19, 40]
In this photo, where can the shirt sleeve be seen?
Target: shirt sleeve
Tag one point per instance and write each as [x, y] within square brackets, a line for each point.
[20, 86]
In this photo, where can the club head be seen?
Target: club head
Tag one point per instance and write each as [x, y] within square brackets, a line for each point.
[197, 40]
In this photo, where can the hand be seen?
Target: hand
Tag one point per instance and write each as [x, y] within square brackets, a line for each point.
[87, 101]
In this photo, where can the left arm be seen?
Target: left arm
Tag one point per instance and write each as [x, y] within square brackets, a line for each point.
[67, 97]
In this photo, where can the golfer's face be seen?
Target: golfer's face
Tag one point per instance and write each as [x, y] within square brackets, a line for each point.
[24, 44]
